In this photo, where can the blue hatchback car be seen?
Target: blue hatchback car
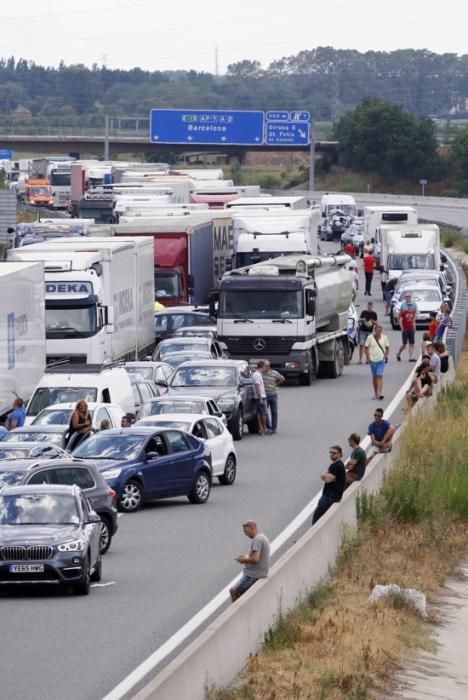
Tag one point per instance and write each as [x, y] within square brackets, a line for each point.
[145, 463]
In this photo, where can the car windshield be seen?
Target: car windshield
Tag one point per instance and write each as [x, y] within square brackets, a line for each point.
[204, 376]
[179, 358]
[38, 509]
[186, 345]
[167, 406]
[145, 372]
[53, 416]
[30, 436]
[118, 447]
[423, 295]
[45, 396]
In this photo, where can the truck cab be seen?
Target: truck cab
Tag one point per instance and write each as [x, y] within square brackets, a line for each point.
[38, 193]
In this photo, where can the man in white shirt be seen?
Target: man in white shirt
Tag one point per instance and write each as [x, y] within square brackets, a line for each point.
[260, 395]
[434, 359]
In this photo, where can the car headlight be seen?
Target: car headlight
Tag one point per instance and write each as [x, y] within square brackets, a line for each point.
[111, 473]
[226, 404]
[74, 546]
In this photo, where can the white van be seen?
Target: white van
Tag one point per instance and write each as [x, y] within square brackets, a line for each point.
[331, 202]
[69, 384]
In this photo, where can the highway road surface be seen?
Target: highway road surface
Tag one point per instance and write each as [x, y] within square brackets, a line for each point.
[171, 558]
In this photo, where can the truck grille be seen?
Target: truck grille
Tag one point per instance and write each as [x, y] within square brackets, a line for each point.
[260, 345]
[20, 553]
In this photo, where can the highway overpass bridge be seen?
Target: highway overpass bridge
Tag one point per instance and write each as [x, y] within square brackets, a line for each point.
[83, 141]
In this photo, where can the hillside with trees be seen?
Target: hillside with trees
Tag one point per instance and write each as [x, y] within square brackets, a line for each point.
[326, 81]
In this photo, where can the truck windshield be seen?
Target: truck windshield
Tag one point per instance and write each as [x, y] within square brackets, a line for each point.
[70, 321]
[261, 303]
[411, 262]
[59, 179]
[45, 396]
[244, 259]
[40, 190]
[166, 284]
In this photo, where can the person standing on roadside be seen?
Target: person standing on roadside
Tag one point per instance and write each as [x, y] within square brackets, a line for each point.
[260, 396]
[356, 464]
[271, 381]
[335, 481]
[256, 562]
[18, 415]
[369, 265]
[407, 321]
[366, 322]
[377, 348]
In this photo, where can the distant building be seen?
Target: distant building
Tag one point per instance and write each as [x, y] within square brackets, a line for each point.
[22, 112]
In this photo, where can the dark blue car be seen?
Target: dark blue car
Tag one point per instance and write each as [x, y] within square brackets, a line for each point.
[145, 463]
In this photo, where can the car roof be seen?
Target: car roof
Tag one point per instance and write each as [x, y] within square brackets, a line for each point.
[41, 488]
[190, 340]
[145, 363]
[180, 398]
[67, 406]
[25, 444]
[159, 418]
[49, 428]
[195, 329]
[134, 430]
[201, 354]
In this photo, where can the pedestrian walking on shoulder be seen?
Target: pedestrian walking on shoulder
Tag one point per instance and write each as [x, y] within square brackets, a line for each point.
[356, 464]
[260, 396]
[369, 265]
[335, 481]
[271, 381]
[407, 320]
[377, 348]
[256, 562]
[366, 322]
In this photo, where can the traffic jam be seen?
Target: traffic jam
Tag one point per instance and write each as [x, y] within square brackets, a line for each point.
[135, 321]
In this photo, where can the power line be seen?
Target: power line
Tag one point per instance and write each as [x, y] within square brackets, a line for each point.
[92, 10]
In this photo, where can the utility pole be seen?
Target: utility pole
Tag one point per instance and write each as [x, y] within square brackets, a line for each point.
[216, 61]
[106, 137]
[335, 89]
[312, 158]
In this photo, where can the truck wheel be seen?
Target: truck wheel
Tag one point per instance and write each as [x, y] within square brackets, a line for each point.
[306, 378]
[348, 351]
[333, 368]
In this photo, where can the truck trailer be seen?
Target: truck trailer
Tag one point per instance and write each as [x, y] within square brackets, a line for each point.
[99, 297]
[409, 247]
[292, 310]
[22, 330]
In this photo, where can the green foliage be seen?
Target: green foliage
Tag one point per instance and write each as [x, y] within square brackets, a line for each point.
[459, 161]
[385, 139]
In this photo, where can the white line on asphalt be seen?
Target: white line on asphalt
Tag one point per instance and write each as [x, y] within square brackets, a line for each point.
[103, 585]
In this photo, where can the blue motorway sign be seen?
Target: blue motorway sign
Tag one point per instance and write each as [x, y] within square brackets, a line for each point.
[200, 126]
[290, 133]
[6, 154]
[299, 116]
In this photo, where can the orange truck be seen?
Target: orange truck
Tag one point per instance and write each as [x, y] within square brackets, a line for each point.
[38, 193]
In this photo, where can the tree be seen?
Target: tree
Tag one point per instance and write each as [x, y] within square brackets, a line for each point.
[383, 138]
[459, 160]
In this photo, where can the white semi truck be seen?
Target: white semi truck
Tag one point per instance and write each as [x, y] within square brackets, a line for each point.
[409, 247]
[292, 310]
[22, 330]
[259, 235]
[99, 297]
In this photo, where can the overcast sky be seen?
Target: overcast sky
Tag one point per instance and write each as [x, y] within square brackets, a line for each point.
[183, 34]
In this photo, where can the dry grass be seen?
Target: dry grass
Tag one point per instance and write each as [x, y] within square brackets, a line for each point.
[336, 646]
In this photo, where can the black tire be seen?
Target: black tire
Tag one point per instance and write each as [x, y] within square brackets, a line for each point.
[201, 488]
[252, 425]
[96, 576]
[348, 349]
[237, 424]
[132, 497]
[395, 326]
[230, 471]
[83, 587]
[333, 368]
[106, 535]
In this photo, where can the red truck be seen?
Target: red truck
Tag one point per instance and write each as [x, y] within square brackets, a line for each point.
[183, 256]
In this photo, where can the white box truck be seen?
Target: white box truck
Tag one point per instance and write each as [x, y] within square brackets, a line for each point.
[376, 216]
[259, 235]
[99, 296]
[22, 330]
[410, 247]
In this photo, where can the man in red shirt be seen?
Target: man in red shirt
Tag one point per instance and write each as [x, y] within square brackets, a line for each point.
[407, 320]
[369, 265]
[349, 249]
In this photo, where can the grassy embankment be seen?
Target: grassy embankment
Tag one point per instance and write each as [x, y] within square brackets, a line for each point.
[335, 645]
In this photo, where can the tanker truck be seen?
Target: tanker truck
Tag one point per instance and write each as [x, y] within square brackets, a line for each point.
[292, 310]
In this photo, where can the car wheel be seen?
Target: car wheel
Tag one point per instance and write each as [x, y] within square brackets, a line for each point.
[97, 573]
[82, 588]
[201, 488]
[132, 497]
[252, 425]
[238, 425]
[106, 535]
[230, 470]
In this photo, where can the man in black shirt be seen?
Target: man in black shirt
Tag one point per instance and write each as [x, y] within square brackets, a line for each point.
[335, 480]
[367, 319]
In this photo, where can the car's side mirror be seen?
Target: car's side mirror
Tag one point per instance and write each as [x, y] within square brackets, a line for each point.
[93, 518]
[162, 382]
[151, 455]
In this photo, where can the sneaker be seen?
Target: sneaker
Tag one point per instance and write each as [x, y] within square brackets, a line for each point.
[398, 357]
[381, 397]
[412, 359]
